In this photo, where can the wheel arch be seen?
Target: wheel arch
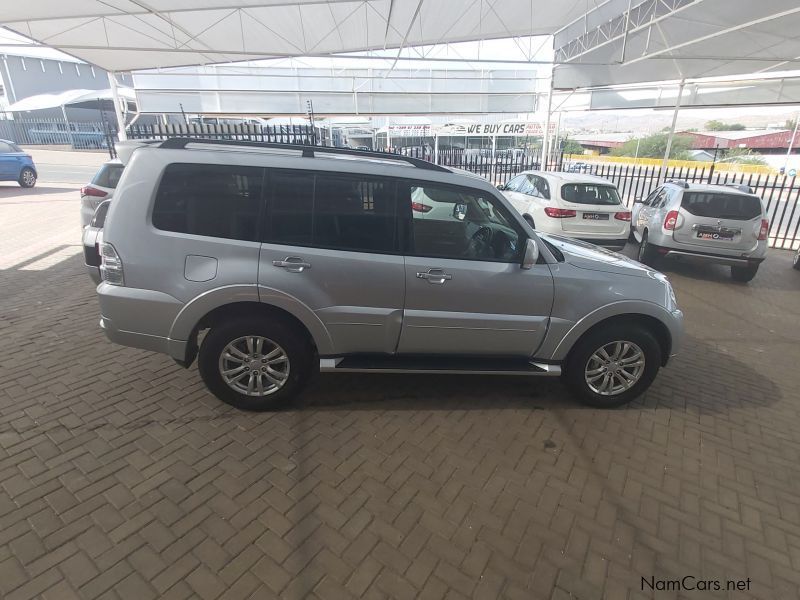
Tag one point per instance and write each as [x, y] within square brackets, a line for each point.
[649, 323]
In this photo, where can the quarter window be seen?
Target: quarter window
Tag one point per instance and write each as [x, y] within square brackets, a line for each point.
[209, 200]
[455, 223]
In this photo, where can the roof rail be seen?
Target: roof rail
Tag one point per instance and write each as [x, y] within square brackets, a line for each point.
[742, 187]
[308, 151]
[681, 182]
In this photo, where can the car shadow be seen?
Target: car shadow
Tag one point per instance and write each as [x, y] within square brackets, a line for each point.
[11, 190]
[700, 378]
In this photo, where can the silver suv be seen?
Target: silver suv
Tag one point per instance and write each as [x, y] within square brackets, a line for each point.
[712, 223]
[275, 261]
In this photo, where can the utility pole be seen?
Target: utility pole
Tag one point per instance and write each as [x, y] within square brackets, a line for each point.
[310, 105]
[791, 143]
[672, 129]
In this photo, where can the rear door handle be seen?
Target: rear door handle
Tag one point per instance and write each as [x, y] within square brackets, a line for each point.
[435, 276]
[293, 264]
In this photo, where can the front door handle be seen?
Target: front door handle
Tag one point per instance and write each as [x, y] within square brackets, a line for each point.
[435, 276]
[293, 264]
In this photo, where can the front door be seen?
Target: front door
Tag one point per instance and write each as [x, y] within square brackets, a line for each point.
[332, 244]
[9, 161]
[465, 290]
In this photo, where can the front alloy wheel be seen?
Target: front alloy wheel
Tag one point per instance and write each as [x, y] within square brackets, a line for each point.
[614, 368]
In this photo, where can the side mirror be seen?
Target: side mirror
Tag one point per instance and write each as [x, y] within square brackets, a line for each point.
[501, 186]
[637, 200]
[460, 212]
[531, 254]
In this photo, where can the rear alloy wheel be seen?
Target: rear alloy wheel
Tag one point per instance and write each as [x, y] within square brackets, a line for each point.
[255, 364]
[613, 365]
[27, 178]
[646, 254]
[744, 274]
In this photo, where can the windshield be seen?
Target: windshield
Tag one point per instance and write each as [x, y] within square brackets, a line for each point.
[590, 193]
[722, 206]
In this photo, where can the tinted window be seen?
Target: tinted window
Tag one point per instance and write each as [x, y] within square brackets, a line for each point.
[721, 206]
[588, 193]
[541, 188]
[108, 175]
[514, 184]
[211, 200]
[333, 211]
[454, 223]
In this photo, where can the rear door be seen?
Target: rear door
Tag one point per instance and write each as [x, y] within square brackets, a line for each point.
[465, 291]
[595, 206]
[712, 220]
[332, 243]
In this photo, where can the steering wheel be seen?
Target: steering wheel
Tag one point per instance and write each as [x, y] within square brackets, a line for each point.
[480, 244]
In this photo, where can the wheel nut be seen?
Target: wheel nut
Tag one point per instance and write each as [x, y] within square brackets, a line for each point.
[247, 368]
[263, 360]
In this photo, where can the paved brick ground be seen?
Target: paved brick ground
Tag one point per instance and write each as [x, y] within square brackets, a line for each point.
[121, 478]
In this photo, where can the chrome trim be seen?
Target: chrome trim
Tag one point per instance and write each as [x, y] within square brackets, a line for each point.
[731, 261]
[328, 365]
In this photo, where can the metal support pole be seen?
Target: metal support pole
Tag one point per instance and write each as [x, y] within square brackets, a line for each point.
[112, 81]
[672, 130]
[791, 143]
[557, 138]
[546, 134]
[436, 149]
[69, 128]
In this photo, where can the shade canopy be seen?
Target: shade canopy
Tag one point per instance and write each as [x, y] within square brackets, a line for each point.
[596, 42]
[67, 98]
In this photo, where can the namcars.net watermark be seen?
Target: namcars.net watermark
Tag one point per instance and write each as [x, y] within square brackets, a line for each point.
[690, 583]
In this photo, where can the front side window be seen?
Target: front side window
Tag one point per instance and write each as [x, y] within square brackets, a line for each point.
[589, 193]
[210, 200]
[5, 148]
[450, 222]
[514, 184]
[341, 212]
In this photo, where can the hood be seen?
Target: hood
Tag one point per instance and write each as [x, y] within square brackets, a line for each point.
[588, 256]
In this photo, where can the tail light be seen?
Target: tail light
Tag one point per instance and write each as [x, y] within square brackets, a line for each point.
[762, 233]
[623, 216]
[111, 265]
[671, 220]
[420, 207]
[559, 213]
[92, 191]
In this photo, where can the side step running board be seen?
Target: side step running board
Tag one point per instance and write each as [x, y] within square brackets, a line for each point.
[436, 365]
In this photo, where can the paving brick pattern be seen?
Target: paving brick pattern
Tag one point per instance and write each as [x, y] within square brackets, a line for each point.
[122, 478]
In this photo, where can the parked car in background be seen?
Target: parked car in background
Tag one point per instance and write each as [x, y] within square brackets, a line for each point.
[342, 274]
[580, 167]
[92, 238]
[16, 165]
[101, 188]
[723, 224]
[574, 205]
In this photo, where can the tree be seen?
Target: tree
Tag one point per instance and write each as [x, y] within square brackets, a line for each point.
[654, 146]
[570, 146]
[790, 124]
[715, 125]
[743, 156]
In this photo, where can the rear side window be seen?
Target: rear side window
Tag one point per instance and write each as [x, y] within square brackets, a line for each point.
[210, 200]
[341, 212]
[721, 205]
[108, 175]
[587, 193]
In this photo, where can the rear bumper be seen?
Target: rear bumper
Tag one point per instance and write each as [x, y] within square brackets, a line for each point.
[732, 261]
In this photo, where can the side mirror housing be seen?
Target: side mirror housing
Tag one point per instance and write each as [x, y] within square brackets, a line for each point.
[460, 212]
[501, 186]
[637, 200]
[531, 254]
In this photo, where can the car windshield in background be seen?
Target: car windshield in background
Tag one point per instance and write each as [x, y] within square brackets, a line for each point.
[588, 193]
[108, 176]
[721, 205]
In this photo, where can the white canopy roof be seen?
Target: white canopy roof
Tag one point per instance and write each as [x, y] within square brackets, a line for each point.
[597, 42]
[42, 101]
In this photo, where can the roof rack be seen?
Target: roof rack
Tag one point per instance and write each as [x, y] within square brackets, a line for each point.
[681, 182]
[742, 187]
[308, 151]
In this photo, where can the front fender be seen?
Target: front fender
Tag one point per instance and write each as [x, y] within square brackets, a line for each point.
[673, 321]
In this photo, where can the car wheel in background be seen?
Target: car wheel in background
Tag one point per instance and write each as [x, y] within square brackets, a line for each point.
[646, 253]
[27, 178]
[744, 274]
[612, 364]
[796, 263]
[255, 364]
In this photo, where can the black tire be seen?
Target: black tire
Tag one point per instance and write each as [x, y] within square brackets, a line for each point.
[27, 178]
[283, 333]
[646, 254]
[744, 274]
[796, 263]
[529, 219]
[578, 361]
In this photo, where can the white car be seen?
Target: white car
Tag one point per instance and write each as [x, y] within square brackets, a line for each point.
[101, 188]
[574, 205]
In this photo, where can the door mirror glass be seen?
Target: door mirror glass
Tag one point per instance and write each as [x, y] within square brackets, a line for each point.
[460, 211]
[531, 254]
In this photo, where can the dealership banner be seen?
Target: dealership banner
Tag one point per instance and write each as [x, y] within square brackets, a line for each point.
[491, 129]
